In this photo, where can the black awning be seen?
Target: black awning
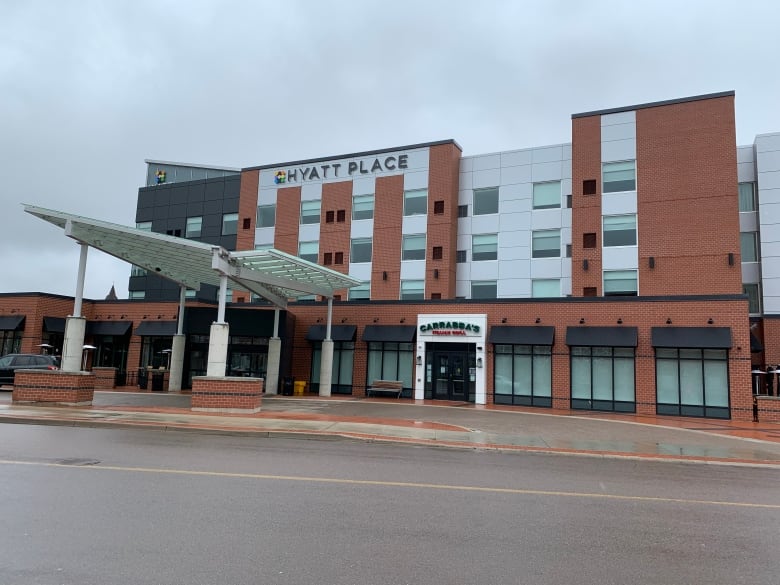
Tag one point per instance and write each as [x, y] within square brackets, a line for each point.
[692, 337]
[398, 333]
[755, 345]
[156, 329]
[54, 324]
[602, 336]
[11, 322]
[527, 335]
[108, 327]
[337, 333]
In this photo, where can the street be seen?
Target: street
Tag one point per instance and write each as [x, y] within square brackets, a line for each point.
[97, 506]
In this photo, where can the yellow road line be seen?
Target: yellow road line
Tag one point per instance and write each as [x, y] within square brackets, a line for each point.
[401, 484]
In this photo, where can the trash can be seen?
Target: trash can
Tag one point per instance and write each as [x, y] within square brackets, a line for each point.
[158, 381]
[143, 378]
[300, 387]
[287, 386]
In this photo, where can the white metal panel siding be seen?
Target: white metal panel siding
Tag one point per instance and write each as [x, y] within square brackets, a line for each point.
[767, 156]
[620, 258]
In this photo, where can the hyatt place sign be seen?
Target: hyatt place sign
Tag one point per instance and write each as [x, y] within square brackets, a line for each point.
[336, 170]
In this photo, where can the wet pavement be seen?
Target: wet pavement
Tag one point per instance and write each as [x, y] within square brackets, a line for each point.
[455, 425]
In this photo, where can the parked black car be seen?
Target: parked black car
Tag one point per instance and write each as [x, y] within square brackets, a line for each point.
[25, 361]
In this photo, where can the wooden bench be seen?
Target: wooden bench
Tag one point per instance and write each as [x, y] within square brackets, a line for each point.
[385, 387]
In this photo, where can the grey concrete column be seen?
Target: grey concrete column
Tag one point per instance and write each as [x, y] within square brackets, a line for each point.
[219, 337]
[326, 367]
[80, 281]
[177, 363]
[274, 359]
[73, 343]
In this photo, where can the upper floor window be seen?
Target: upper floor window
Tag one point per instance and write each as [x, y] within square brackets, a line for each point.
[620, 283]
[546, 244]
[545, 287]
[749, 245]
[753, 292]
[484, 289]
[486, 201]
[413, 247]
[309, 250]
[747, 197]
[266, 216]
[619, 230]
[144, 225]
[194, 225]
[619, 176]
[360, 250]
[362, 291]
[363, 207]
[310, 211]
[547, 195]
[230, 224]
[412, 290]
[484, 247]
[136, 294]
[416, 202]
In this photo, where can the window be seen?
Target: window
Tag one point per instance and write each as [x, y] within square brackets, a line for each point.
[341, 369]
[568, 202]
[190, 293]
[589, 240]
[547, 195]
[484, 289]
[360, 250]
[193, 228]
[341, 216]
[619, 176]
[753, 293]
[327, 259]
[602, 378]
[692, 382]
[546, 287]
[362, 291]
[486, 201]
[749, 244]
[747, 197]
[620, 283]
[391, 361]
[438, 207]
[137, 294]
[413, 247]
[484, 247]
[589, 187]
[523, 375]
[546, 244]
[264, 246]
[144, 225]
[461, 256]
[416, 202]
[338, 258]
[266, 215]
[568, 250]
[136, 271]
[309, 250]
[363, 207]
[310, 211]
[620, 230]
[329, 216]
[438, 253]
[463, 210]
[230, 224]
[412, 290]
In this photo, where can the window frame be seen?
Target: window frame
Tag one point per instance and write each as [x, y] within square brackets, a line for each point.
[624, 293]
[479, 199]
[685, 355]
[484, 283]
[309, 255]
[411, 195]
[360, 242]
[261, 213]
[228, 220]
[753, 239]
[524, 391]
[542, 185]
[752, 197]
[542, 253]
[412, 294]
[608, 235]
[484, 256]
[577, 352]
[358, 204]
[415, 253]
[187, 232]
[621, 183]
[307, 216]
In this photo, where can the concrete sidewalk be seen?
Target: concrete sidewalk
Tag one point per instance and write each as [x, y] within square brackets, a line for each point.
[455, 425]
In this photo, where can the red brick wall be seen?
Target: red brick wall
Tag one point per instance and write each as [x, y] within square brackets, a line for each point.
[688, 215]
[768, 409]
[586, 209]
[44, 386]
[288, 219]
[226, 394]
[443, 179]
[105, 378]
[335, 237]
[247, 209]
[386, 255]
[771, 340]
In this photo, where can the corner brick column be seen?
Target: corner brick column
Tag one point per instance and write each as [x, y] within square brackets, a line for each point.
[768, 409]
[226, 394]
[105, 378]
[47, 387]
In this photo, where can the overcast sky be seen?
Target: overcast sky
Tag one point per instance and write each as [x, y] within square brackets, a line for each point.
[88, 90]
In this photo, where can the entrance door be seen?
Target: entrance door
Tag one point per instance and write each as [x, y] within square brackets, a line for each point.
[450, 375]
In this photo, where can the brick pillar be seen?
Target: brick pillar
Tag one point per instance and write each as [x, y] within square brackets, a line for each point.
[105, 378]
[47, 387]
[226, 394]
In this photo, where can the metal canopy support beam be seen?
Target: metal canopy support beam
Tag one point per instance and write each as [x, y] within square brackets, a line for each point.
[326, 363]
[274, 359]
[177, 347]
[80, 280]
[75, 325]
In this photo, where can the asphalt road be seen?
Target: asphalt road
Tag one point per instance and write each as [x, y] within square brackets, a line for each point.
[97, 506]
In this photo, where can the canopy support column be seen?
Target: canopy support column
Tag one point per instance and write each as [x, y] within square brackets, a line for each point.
[219, 336]
[76, 325]
[274, 359]
[326, 363]
[177, 347]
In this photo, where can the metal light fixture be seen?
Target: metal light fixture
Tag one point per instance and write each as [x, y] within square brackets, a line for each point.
[710, 321]
[582, 320]
[479, 362]
[419, 360]
[668, 320]
[620, 321]
[538, 320]
[503, 320]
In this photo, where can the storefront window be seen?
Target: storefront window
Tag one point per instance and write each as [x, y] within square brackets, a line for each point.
[692, 382]
[343, 357]
[602, 378]
[391, 361]
[523, 375]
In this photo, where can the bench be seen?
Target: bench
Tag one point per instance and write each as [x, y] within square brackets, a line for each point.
[385, 387]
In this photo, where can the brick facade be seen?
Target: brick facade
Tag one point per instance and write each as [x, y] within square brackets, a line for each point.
[53, 387]
[211, 394]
